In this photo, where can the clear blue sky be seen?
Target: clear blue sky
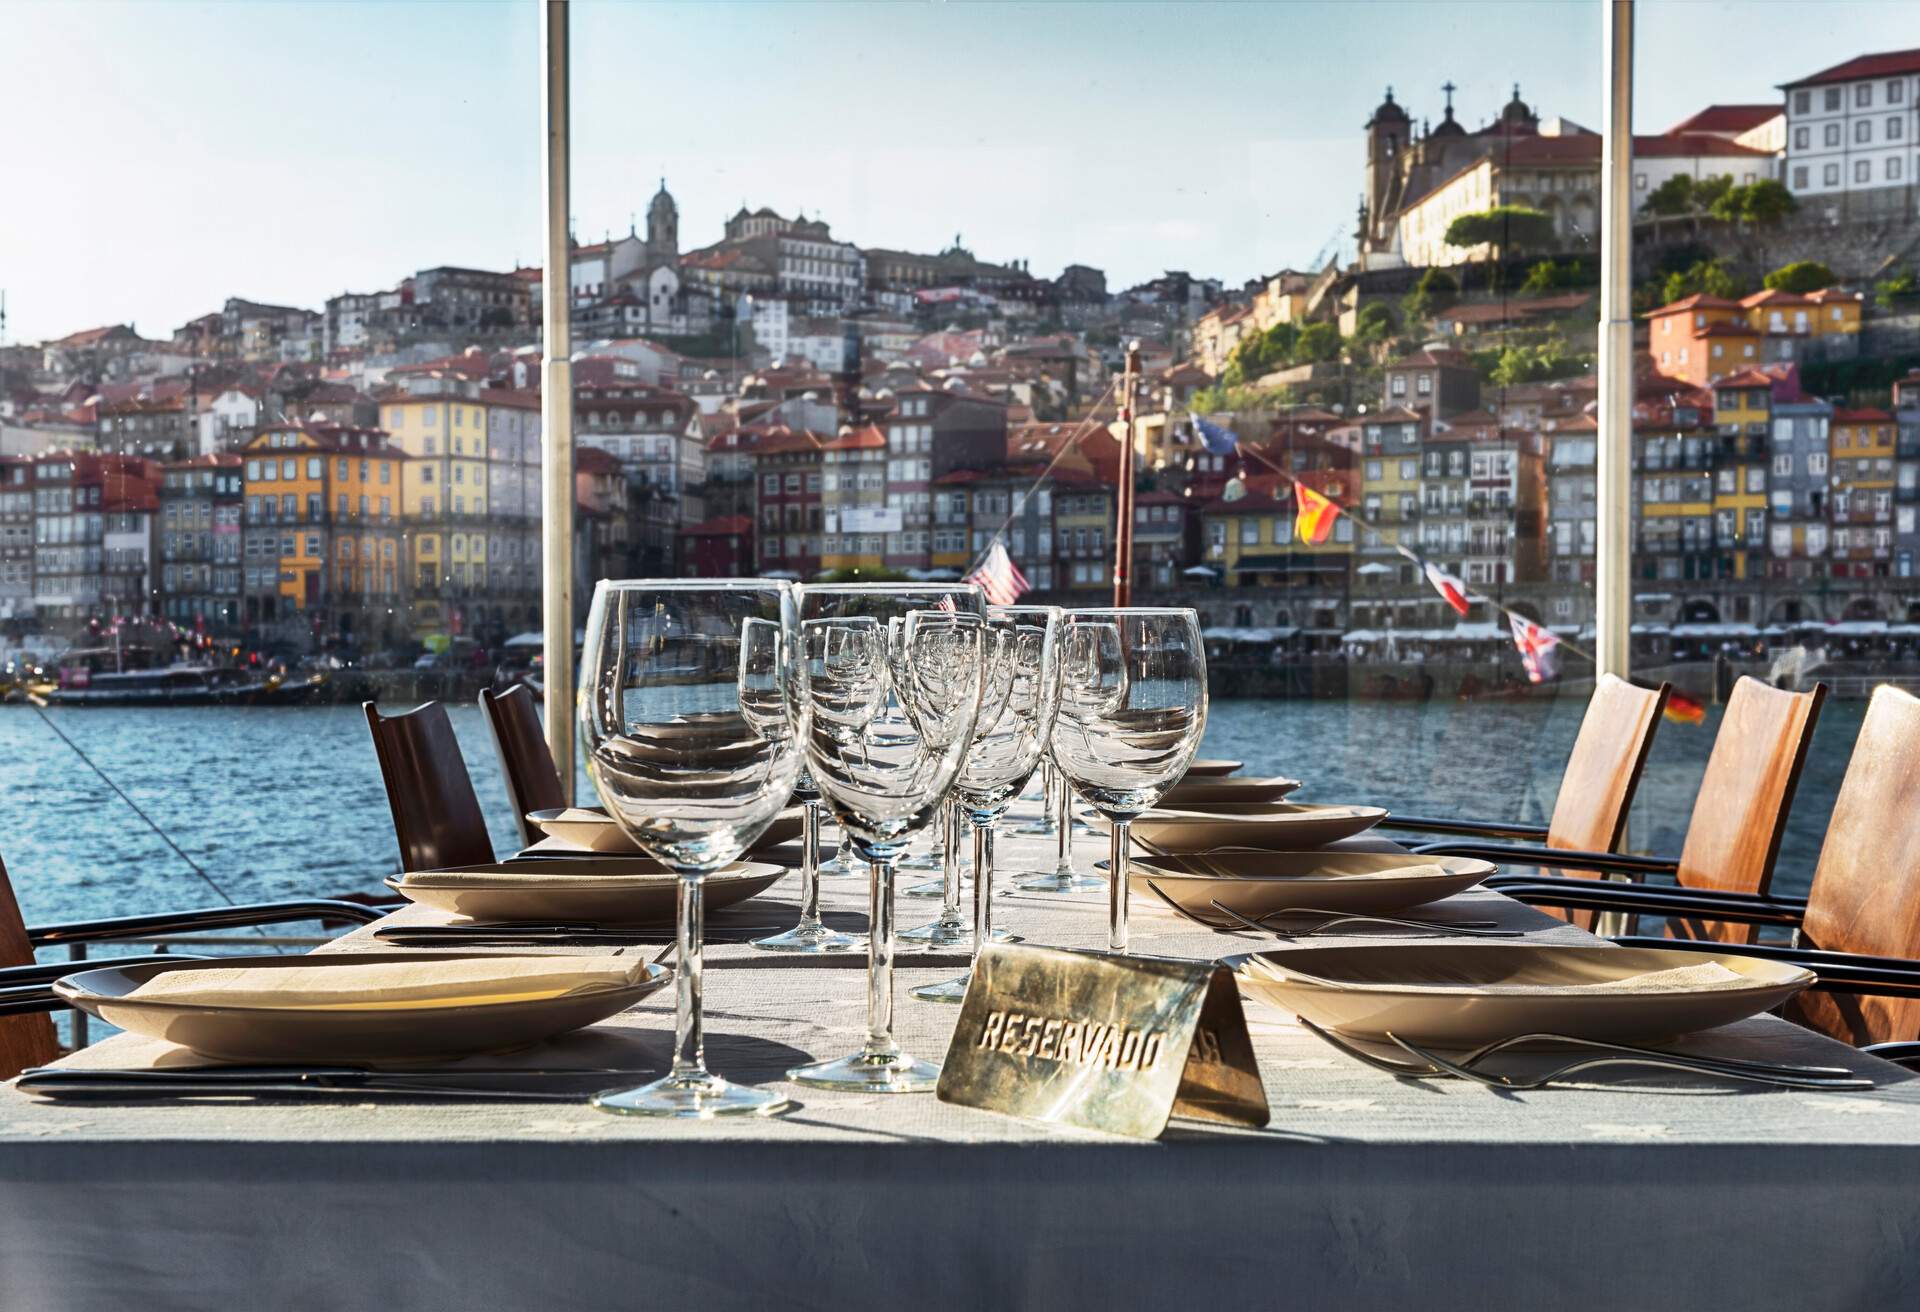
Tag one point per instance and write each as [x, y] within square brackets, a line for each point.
[162, 156]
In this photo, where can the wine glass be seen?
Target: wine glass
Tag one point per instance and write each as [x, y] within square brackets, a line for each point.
[1133, 706]
[949, 929]
[883, 741]
[689, 773]
[763, 669]
[1063, 878]
[1018, 706]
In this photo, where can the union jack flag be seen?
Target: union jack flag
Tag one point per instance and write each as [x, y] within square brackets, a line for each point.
[1539, 648]
[999, 578]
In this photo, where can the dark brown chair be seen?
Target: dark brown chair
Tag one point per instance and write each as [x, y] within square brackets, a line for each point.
[533, 784]
[26, 995]
[436, 816]
[1859, 927]
[1738, 818]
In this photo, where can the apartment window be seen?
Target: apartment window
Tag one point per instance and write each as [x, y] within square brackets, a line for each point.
[1863, 170]
[1799, 179]
[1863, 95]
[1399, 385]
[1802, 139]
[1831, 98]
[1783, 466]
[1893, 175]
[1894, 90]
[1893, 129]
[793, 482]
[1424, 384]
[1830, 175]
[770, 483]
[1832, 134]
[1817, 463]
[1639, 182]
[1862, 130]
[1802, 102]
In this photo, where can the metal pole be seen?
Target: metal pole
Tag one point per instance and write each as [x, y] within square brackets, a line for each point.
[556, 398]
[1123, 494]
[1613, 563]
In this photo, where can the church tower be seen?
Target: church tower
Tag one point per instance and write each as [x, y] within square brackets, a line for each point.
[1389, 133]
[663, 227]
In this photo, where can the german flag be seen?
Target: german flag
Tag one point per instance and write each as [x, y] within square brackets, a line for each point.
[1682, 709]
[1314, 518]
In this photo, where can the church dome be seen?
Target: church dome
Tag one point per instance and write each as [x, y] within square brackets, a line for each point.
[1517, 113]
[1389, 111]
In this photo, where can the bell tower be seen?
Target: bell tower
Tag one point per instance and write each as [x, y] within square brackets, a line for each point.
[663, 227]
[1388, 134]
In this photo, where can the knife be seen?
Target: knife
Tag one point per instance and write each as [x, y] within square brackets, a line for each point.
[232, 1081]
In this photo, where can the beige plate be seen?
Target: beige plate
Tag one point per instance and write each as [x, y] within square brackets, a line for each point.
[321, 1035]
[1465, 994]
[1213, 769]
[593, 830]
[1269, 826]
[1192, 794]
[1260, 883]
[574, 892]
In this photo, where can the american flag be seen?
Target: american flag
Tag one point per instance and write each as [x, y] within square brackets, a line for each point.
[999, 578]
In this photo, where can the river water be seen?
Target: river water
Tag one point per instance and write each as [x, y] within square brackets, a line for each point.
[287, 802]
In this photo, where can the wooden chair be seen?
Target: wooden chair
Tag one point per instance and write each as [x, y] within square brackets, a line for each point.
[26, 995]
[1739, 815]
[1596, 789]
[436, 816]
[533, 784]
[1858, 928]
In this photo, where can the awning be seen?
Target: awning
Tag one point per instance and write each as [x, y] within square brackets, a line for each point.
[1299, 564]
[1859, 629]
[1235, 633]
[526, 640]
[1373, 568]
[1200, 572]
[1715, 629]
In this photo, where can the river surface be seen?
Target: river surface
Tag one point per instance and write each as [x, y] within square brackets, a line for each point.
[287, 802]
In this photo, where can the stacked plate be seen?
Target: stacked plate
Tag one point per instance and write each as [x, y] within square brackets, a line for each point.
[361, 1007]
[591, 829]
[1213, 768]
[1259, 884]
[612, 891]
[1265, 826]
[1203, 794]
[1463, 994]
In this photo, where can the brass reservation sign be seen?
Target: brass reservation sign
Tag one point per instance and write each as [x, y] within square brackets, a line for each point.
[1119, 1044]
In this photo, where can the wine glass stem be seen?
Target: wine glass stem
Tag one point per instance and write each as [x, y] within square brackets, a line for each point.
[810, 864]
[1063, 813]
[880, 1042]
[950, 867]
[982, 885]
[1118, 877]
[689, 1031]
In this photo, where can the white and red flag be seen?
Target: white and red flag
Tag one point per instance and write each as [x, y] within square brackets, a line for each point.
[1539, 648]
[998, 577]
[1451, 589]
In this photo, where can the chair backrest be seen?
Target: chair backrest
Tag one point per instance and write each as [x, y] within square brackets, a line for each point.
[24, 1040]
[1590, 812]
[533, 784]
[1740, 812]
[1866, 888]
[436, 816]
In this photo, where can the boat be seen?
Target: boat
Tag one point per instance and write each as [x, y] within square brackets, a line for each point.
[181, 685]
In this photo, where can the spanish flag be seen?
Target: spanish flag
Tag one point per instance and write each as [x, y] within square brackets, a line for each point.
[1682, 709]
[1314, 518]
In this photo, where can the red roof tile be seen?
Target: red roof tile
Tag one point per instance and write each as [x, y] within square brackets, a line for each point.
[1725, 118]
[1891, 63]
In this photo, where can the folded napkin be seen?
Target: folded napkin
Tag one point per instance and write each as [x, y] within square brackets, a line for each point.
[391, 985]
[1701, 977]
[545, 874]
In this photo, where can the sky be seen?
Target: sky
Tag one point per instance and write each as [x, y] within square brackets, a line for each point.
[163, 156]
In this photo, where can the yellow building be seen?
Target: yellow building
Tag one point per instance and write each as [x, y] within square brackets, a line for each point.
[1861, 449]
[1742, 420]
[1390, 480]
[323, 530]
[444, 498]
[1673, 488]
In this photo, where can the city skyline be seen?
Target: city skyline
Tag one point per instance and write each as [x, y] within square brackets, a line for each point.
[303, 163]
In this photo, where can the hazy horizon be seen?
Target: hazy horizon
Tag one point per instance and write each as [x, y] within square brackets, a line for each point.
[184, 153]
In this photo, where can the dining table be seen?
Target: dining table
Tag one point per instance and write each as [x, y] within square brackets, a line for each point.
[1615, 1190]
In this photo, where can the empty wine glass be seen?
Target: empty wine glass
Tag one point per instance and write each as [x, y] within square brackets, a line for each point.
[1021, 697]
[763, 668]
[688, 771]
[1133, 705]
[883, 741]
[1063, 878]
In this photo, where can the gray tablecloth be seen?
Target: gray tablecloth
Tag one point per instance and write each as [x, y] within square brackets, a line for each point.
[1364, 1192]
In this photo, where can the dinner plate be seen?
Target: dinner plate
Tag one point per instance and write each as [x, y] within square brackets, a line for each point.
[1269, 826]
[1465, 994]
[593, 830]
[1257, 884]
[1192, 794]
[1213, 769]
[629, 892]
[340, 1034]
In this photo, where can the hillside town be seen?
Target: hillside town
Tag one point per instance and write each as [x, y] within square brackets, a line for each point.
[363, 476]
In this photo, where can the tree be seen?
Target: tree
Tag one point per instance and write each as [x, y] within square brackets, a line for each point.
[1765, 201]
[1800, 276]
[1547, 276]
[1436, 291]
[1318, 341]
[1671, 198]
[1503, 229]
[1703, 278]
[1890, 291]
[1372, 327]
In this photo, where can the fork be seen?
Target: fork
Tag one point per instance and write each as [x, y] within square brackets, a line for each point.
[1617, 1054]
[1446, 928]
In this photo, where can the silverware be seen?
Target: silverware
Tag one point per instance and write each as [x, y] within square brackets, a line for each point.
[239, 1081]
[1613, 1054]
[550, 935]
[1443, 928]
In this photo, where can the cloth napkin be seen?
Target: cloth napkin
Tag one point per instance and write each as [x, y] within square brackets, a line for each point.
[388, 985]
[545, 874]
[1700, 977]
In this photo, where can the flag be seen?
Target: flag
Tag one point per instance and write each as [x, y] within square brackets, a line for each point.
[1682, 709]
[1314, 519]
[1220, 441]
[1538, 648]
[1450, 588]
[999, 577]
[946, 604]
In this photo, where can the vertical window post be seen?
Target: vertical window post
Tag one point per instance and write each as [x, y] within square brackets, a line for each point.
[1612, 563]
[556, 396]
